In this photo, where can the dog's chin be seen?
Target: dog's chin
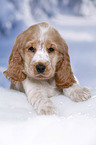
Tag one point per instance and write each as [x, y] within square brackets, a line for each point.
[42, 76]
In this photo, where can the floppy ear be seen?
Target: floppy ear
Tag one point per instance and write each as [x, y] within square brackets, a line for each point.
[15, 66]
[64, 76]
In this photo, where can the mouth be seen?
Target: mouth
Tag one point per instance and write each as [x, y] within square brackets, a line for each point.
[41, 76]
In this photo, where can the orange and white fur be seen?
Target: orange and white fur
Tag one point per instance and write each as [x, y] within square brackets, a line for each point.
[39, 65]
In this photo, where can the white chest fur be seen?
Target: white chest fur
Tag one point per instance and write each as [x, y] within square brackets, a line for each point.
[47, 88]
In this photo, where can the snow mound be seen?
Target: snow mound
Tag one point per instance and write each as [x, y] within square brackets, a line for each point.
[19, 123]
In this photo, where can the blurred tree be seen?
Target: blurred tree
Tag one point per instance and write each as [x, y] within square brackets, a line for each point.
[22, 12]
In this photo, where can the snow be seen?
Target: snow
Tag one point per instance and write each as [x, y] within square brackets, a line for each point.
[19, 123]
[76, 131]
[76, 122]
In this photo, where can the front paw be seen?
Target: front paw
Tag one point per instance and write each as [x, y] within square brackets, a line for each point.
[81, 94]
[77, 93]
[47, 109]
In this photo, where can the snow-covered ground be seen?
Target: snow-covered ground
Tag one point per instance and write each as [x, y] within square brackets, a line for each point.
[19, 124]
[76, 122]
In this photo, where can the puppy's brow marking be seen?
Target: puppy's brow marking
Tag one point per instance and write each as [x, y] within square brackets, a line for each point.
[44, 29]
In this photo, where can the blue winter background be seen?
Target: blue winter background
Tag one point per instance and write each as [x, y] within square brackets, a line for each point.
[76, 123]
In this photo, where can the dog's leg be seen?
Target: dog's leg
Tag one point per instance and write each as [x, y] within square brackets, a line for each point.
[77, 93]
[37, 96]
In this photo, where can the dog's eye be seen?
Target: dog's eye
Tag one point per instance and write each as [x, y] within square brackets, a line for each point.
[50, 50]
[31, 49]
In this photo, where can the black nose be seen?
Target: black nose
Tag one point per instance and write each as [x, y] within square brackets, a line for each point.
[40, 68]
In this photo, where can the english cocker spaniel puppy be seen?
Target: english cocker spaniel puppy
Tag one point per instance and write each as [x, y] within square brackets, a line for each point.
[39, 65]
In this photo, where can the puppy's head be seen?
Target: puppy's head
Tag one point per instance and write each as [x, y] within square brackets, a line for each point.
[40, 53]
